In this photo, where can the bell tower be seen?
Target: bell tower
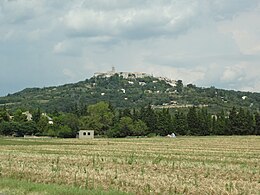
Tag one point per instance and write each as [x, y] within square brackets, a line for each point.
[113, 69]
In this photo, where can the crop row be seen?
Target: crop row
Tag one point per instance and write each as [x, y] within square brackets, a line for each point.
[140, 166]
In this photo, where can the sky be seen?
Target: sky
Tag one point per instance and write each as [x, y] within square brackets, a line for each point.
[204, 42]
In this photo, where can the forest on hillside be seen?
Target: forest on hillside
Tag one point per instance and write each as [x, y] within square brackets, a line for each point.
[129, 93]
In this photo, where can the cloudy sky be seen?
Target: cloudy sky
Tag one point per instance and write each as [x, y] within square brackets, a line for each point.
[205, 42]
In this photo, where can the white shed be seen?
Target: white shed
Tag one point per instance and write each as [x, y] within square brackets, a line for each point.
[85, 134]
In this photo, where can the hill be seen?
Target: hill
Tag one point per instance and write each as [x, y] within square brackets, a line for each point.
[129, 92]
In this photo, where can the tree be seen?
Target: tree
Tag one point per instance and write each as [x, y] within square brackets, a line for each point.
[164, 123]
[18, 128]
[127, 112]
[221, 127]
[36, 115]
[19, 116]
[6, 128]
[70, 120]
[180, 123]
[128, 127]
[249, 123]
[99, 118]
[28, 128]
[179, 86]
[123, 128]
[148, 116]
[65, 132]
[204, 120]
[4, 115]
[140, 128]
[257, 123]
[241, 126]
[43, 125]
[135, 115]
[193, 122]
[233, 122]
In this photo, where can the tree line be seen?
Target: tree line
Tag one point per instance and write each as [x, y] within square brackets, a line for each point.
[111, 122]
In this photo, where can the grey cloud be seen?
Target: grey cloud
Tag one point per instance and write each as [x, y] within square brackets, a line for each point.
[222, 9]
[19, 11]
[114, 4]
[56, 41]
[131, 23]
[156, 18]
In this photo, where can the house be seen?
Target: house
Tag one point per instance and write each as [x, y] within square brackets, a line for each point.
[28, 115]
[50, 120]
[244, 97]
[85, 134]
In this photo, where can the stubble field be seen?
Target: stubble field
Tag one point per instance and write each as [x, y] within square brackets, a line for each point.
[185, 165]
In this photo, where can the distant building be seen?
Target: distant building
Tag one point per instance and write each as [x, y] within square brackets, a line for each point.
[133, 75]
[125, 75]
[85, 134]
[50, 120]
[28, 115]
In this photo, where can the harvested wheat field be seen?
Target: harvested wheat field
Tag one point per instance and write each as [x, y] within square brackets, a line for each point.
[185, 165]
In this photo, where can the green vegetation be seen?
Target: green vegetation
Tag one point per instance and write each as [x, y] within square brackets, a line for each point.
[110, 122]
[128, 93]
[17, 187]
[184, 165]
[136, 107]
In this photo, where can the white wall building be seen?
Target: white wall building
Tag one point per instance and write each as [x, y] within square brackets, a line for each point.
[85, 134]
[28, 115]
[50, 120]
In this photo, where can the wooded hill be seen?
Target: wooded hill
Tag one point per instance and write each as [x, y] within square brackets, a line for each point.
[129, 93]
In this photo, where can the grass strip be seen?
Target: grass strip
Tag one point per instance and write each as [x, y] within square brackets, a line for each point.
[9, 186]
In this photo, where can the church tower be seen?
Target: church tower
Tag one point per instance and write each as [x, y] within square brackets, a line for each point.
[113, 70]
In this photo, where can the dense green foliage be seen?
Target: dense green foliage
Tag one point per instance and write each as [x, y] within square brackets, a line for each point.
[128, 93]
[107, 121]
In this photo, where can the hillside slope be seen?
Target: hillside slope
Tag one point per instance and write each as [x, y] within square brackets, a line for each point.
[131, 93]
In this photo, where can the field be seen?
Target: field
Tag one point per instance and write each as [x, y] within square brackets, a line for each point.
[185, 165]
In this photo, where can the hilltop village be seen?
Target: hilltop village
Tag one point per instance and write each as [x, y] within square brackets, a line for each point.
[132, 75]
